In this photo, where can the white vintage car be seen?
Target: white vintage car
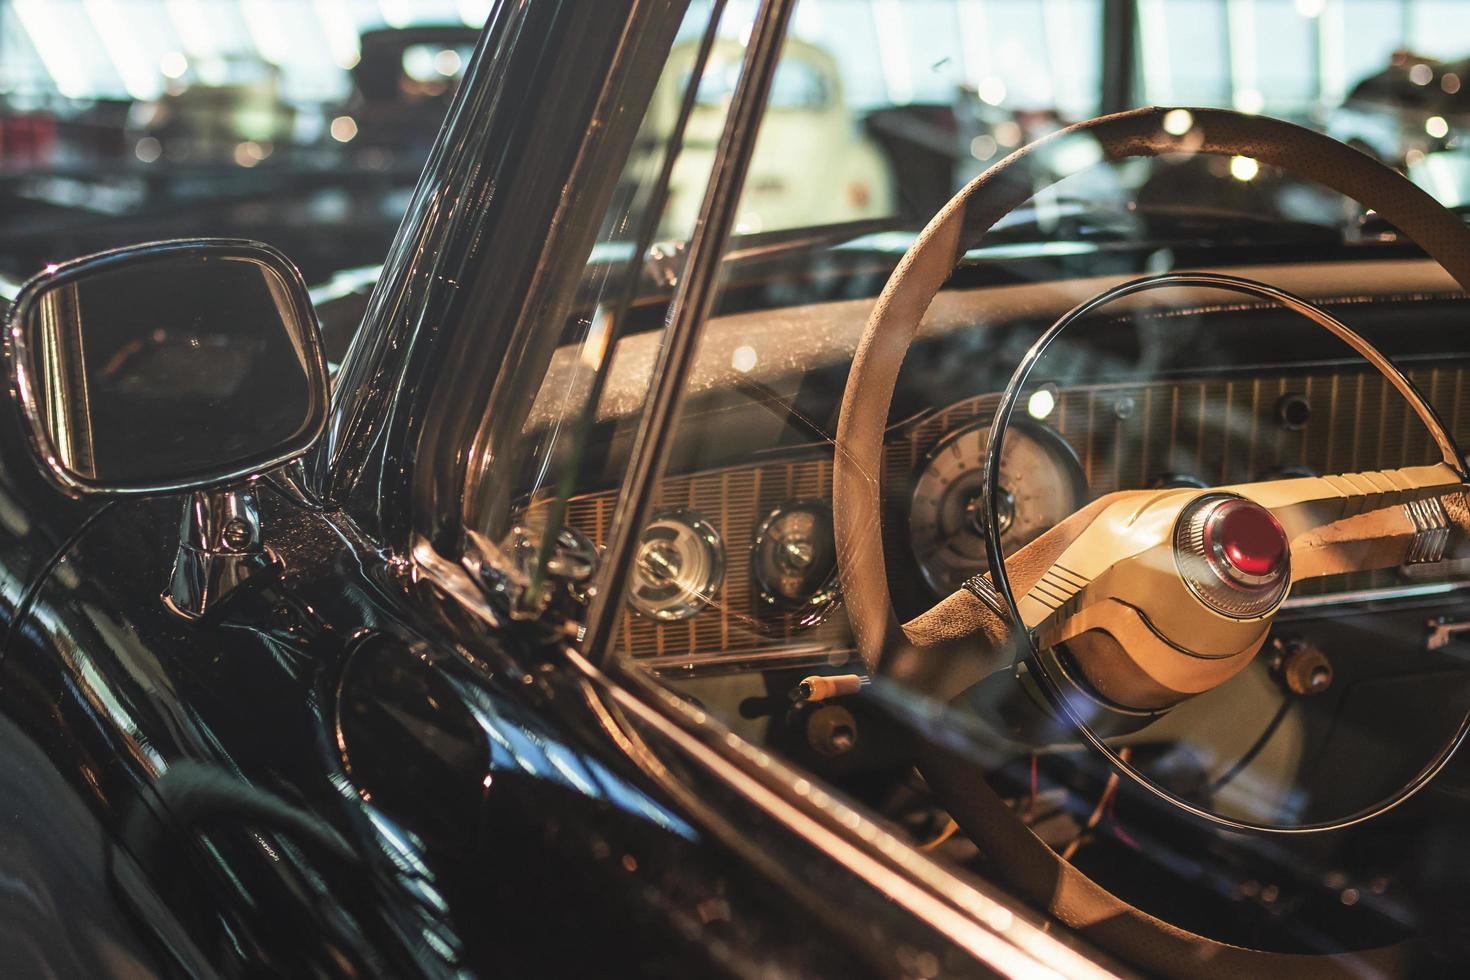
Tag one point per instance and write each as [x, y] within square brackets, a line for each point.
[812, 165]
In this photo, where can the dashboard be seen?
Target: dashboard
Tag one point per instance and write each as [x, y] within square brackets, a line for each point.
[734, 599]
[738, 567]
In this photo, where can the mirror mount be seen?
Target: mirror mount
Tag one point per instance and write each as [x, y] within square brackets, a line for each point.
[220, 548]
[191, 366]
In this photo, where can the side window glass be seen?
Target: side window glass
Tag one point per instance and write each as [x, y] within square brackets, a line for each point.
[587, 404]
[1078, 534]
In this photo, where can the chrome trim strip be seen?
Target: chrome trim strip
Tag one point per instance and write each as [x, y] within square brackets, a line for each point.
[981, 588]
[976, 922]
[686, 319]
[1384, 594]
[803, 655]
[1431, 530]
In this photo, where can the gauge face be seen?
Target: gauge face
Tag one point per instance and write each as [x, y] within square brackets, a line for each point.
[679, 566]
[795, 559]
[1041, 483]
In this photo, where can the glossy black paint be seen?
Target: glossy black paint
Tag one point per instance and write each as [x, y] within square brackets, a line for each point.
[495, 827]
[488, 233]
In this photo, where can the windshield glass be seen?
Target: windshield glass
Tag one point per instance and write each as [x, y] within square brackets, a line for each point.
[896, 110]
[1114, 536]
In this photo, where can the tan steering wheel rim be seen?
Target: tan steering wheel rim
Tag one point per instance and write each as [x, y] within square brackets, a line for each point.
[1029, 864]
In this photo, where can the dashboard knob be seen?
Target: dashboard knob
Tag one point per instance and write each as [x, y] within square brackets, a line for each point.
[1233, 554]
[1302, 668]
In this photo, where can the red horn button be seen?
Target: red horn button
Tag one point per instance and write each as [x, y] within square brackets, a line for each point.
[1246, 541]
[1234, 555]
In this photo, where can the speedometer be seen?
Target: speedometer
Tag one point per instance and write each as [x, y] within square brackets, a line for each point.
[1041, 483]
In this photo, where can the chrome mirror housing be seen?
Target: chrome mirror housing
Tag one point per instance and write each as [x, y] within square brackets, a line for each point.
[181, 365]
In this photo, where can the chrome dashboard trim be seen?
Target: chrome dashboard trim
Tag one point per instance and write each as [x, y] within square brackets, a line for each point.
[1386, 594]
[808, 655]
[1431, 531]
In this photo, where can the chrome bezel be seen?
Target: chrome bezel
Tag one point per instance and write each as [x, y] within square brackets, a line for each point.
[1212, 578]
[693, 600]
[818, 606]
[1051, 441]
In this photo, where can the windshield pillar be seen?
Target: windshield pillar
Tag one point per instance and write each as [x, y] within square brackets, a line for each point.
[477, 247]
[690, 309]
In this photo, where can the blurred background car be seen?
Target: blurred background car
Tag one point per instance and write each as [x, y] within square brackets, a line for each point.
[402, 85]
[1414, 107]
[231, 110]
[305, 123]
[808, 118]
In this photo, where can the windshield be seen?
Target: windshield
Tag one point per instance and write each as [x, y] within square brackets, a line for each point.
[901, 110]
[1107, 533]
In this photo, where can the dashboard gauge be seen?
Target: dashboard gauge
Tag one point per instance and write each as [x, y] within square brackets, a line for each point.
[572, 559]
[679, 566]
[1041, 483]
[795, 560]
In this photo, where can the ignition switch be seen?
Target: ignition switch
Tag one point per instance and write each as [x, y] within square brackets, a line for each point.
[831, 730]
[1302, 667]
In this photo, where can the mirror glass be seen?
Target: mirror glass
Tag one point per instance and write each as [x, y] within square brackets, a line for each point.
[169, 367]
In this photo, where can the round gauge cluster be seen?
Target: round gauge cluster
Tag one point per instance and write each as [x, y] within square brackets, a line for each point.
[679, 566]
[795, 560]
[1041, 483]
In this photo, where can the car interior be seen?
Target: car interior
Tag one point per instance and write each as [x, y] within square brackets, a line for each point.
[1069, 467]
[1134, 329]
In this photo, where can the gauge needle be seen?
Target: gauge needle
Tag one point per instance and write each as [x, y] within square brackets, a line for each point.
[798, 554]
[661, 564]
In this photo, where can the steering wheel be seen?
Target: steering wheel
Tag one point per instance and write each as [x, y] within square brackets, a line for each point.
[1160, 595]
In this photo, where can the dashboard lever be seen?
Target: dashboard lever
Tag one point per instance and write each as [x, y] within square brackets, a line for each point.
[819, 687]
[1443, 629]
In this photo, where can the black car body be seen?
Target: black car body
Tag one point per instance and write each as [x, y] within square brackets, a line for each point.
[1414, 107]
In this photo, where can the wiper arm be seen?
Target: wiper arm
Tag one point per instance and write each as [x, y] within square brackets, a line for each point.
[665, 260]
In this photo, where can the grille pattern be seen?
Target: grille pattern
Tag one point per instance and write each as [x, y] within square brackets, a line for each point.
[735, 500]
[1222, 430]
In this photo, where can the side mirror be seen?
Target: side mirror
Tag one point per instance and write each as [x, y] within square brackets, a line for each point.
[182, 365]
